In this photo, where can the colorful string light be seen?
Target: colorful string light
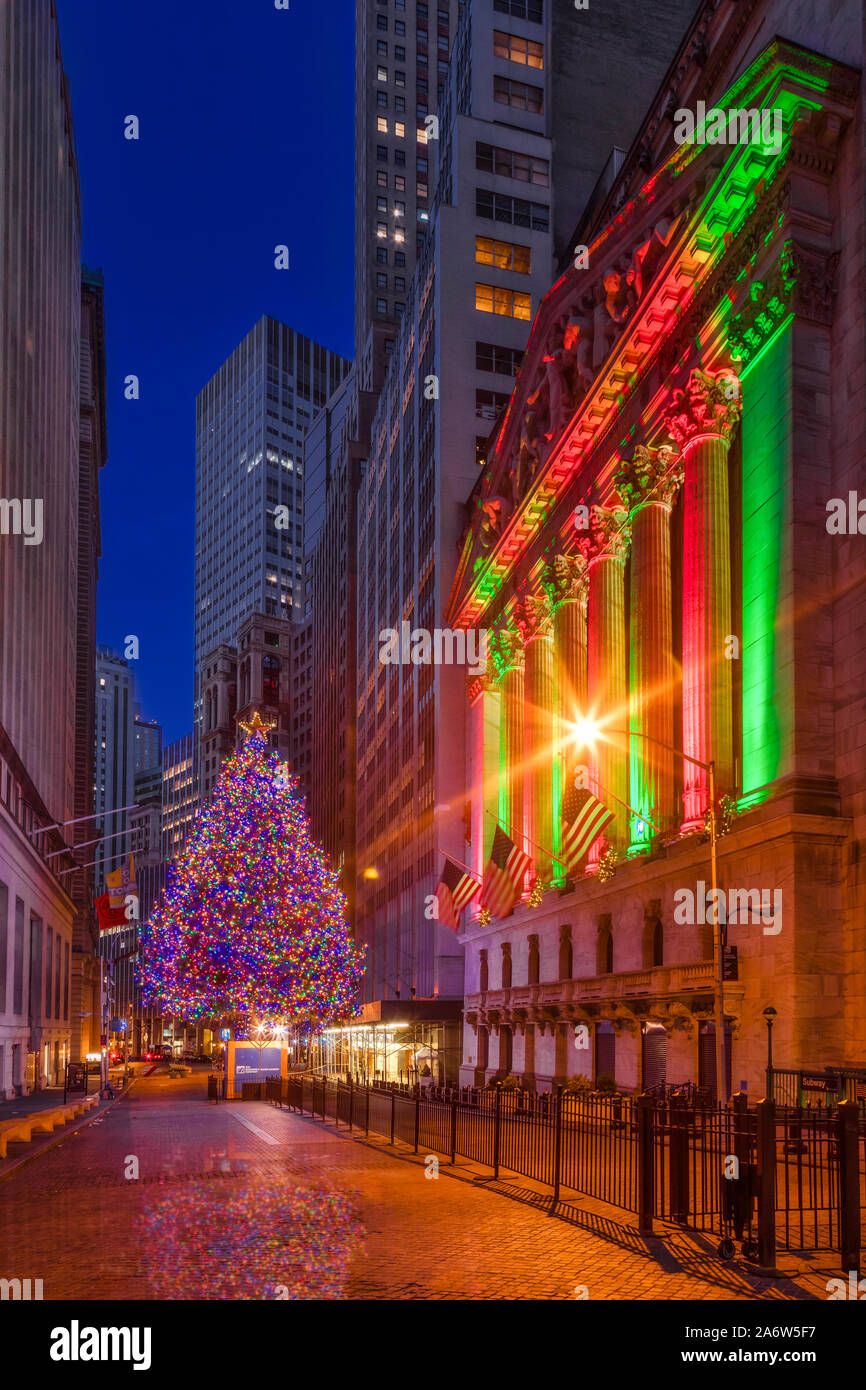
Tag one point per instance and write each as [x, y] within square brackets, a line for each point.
[253, 921]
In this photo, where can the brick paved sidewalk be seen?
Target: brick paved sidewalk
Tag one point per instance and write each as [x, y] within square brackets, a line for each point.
[167, 1197]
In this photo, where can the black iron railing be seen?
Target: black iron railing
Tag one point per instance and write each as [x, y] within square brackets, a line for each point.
[768, 1176]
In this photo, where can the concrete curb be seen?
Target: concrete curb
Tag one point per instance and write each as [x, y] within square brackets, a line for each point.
[60, 1134]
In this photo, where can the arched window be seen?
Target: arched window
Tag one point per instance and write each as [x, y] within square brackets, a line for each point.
[604, 949]
[532, 977]
[506, 965]
[482, 971]
[652, 942]
[271, 668]
[566, 953]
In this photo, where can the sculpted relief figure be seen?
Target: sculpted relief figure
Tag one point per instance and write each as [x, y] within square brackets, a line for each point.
[577, 339]
[646, 258]
[611, 313]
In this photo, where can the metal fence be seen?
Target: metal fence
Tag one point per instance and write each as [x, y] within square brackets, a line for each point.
[772, 1177]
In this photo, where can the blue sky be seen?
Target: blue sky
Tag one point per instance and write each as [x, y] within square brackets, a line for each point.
[246, 142]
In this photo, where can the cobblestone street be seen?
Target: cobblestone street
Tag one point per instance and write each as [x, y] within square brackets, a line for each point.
[244, 1201]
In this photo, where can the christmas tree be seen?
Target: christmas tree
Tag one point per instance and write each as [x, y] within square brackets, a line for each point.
[252, 925]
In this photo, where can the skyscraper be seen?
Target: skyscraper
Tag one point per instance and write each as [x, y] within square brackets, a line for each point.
[401, 63]
[51, 448]
[115, 759]
[521, 92]
[251, 419]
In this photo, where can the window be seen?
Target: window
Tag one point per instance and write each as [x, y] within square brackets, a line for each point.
[399, 78]
[421, 164]
[490, 404]
[495, 299]
[420, 190]
[382, 99]
[382, 22]
[533, 10]
[381, 229]
[399, 308]
[399, 54]
[382, 47]
[490, 357]
[400, 258]
[400, 158]
[381, 204]
[481, 450]
[382, 152]
[400, 131]
[517, 50]
[442, 42]
[399, 209]
[519, 95]
[400, 27]
[500, 207]
[527, 168]
[399, 183]
[503, 254]
[399, 103]
[381, 280]
[399, 282]
[382, 74]
[382, 127]
[382, 178]
[381, 255]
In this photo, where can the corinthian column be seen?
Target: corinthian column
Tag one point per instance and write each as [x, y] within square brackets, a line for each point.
[483, 760]
[508, 656]
[570, 582]
[536, 626]
[605, 551]
[648, 486]
[702, 422]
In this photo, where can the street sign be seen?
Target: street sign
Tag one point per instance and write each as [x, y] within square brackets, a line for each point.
[812, 1081]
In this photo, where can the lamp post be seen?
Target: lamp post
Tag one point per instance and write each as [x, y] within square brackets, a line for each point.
[586, 732]
[770, 1016]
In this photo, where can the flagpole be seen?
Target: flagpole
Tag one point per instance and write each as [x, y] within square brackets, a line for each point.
[639, 814]
[455, 860]
[528, 841]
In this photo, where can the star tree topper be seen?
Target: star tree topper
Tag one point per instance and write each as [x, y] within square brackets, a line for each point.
[257, 725]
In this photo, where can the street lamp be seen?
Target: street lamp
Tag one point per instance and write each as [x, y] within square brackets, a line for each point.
[585, 731]
[770, 1015]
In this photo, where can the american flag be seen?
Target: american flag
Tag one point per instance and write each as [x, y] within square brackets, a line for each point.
[584, 817]
[503, 877]
[454, 890]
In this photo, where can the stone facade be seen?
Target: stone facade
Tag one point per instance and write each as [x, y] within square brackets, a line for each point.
[682, 468]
